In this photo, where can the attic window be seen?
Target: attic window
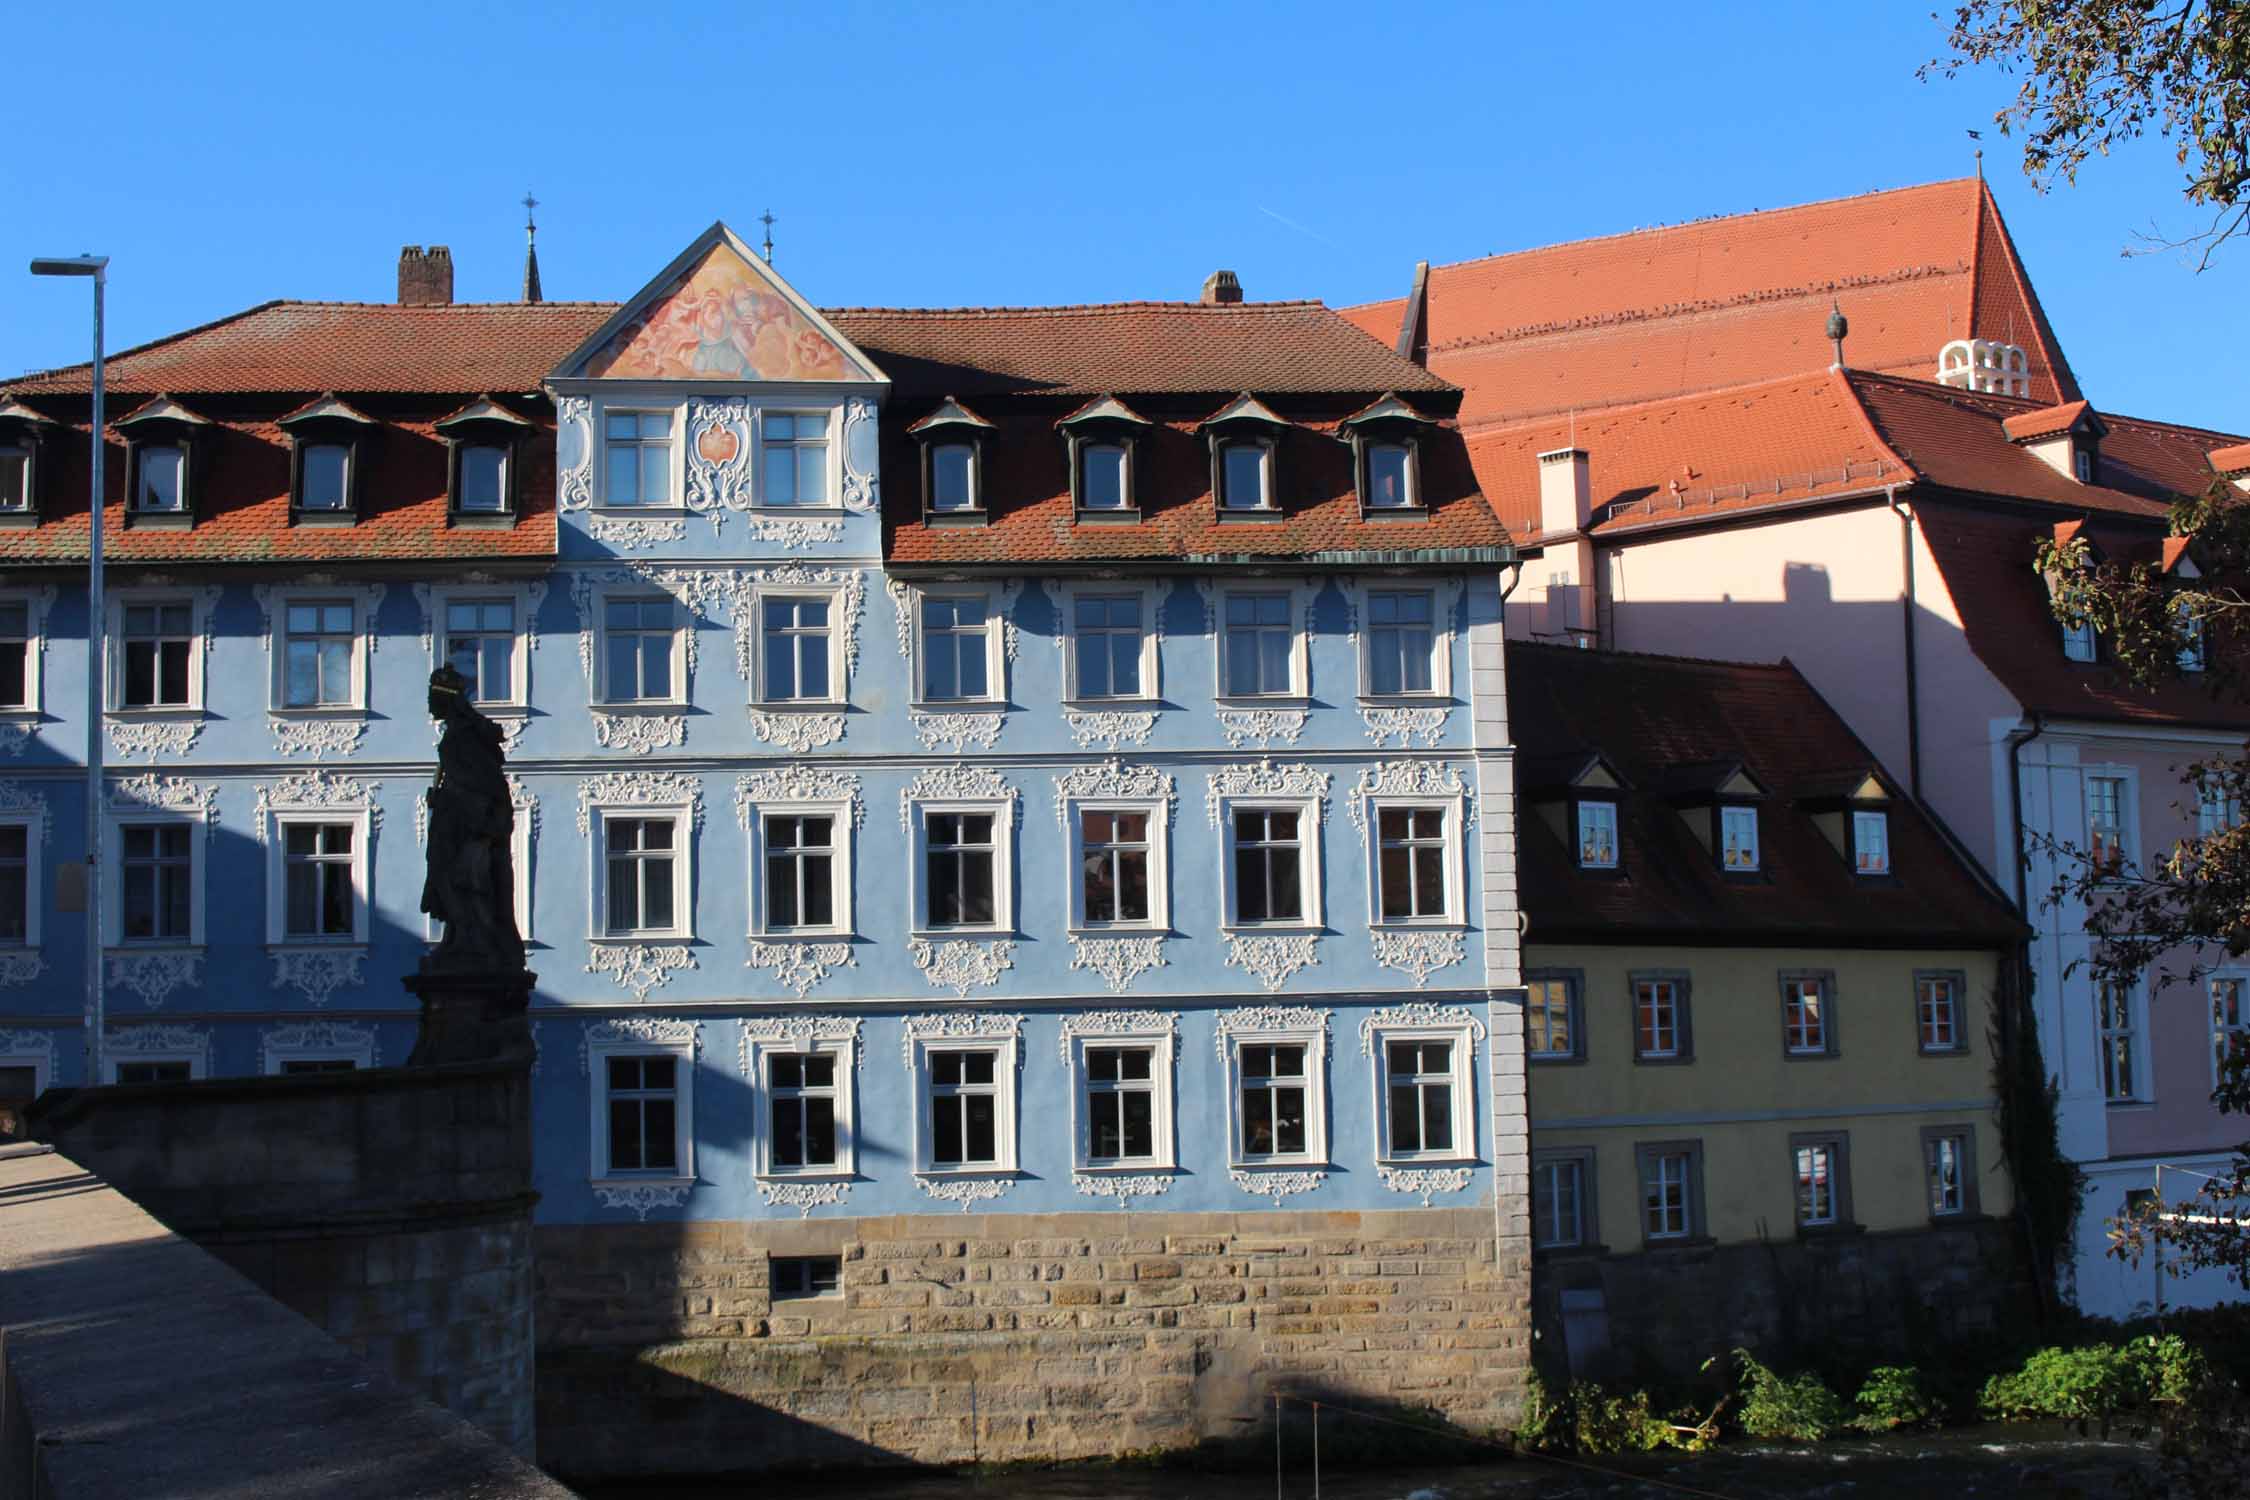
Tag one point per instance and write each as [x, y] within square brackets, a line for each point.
[1246, 476]
[22, 435]
[329, 437]
[1104, 437]
[952, 440]
[1245, 438]
[1389, 483]
[953, 477]
[160, 485]
[1597, 834]
[1871, 843]
[2190, 628]
[324, 478]
[15, 476]
[2082, 462]
[160, 442]
[482, 488]
[482, 440]
[1386, 445]
[1104, 480]
[1738, 839]
[2078, 640]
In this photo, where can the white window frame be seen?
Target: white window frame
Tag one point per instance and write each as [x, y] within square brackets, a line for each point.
[1314, 1039]
[1441, 640]
[1007, 1053]
[2128, 810]
[758, 1052]
[1719, 820]
[675, 468]
[1461, 1036]
[114, 823]
[526, 598]
[272, 1055]
[1158, 812]
[1002, 810]
[2220, 1030]
[839, 813]
[1162, 1046]
[1312, 896]
[1300, 656]
[276, 601]
[2079, 643]
[197, 1058]
[1692, 1206]
[199, 602]
[683, 620]
[995, 650]
[2135, 1033]
[1861, 817]
[34, 824]
[41, 1061]
[1578, 809]
[835, 595]
[35, 604]
[832, 469]
[975, 504]
[1455, 915]
[2216, 811]
[21, 448]
[1268, 502]
[598, 1053]
[278, 820]
[1152, 688]
[682, 814]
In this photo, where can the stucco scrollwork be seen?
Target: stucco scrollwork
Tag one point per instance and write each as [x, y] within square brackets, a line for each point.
[15, 797]
[1111, 729]
[1114, 779]
[791, 532]
[799, 966]
[1424, 1182]
[860, 481]
[18, 966]
[719, 458]
[695, 590]
[902, 614]
[1242, 726]
[1421, 952]
[804, 1196]
[1253, 1020]
[955, 733]
[317, 787]
[153, 737]
[639, 789]
[574, 487]
[1119, 961]
[1426, 1013]
[29, 1044]
[632, 536]
[151, 1038]
[1124, 1187]
[1116, 1023]
[646, 1031]
[847, 585]
[962, 966]
[797, 783]
[151, 792]
[953, 783]
[317, 973]
[638, 734]
[967, 1192]
[1386, 726]
[796, 730]
[318, 1036]
[640, 1197]
[639, 967]
[796, 1030]
[957, 1025]
[316, 737]
[1408, 778]
[15, 738]
[1274, 1184]
[153, 976]
[1263, 778]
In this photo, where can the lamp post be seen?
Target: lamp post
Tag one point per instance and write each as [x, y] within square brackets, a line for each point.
[97, 665]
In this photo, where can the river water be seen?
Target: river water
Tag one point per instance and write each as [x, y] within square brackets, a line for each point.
[1963, 1464]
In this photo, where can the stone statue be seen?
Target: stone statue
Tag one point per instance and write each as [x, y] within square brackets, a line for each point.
[470, 886]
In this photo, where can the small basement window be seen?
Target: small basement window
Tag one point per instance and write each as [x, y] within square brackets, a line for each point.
[794, 1276]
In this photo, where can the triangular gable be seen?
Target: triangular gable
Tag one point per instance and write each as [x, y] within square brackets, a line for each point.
[1104, 409]
[718, 312]
[1740, 784]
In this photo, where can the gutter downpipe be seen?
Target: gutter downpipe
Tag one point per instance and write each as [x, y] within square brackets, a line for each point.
[1908, 605]
[1510, 575]
[2018, 738]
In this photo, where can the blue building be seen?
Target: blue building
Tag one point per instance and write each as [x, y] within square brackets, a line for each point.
[1016, 827]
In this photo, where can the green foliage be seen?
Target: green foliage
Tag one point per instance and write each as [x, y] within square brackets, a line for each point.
[1799, 1408]
[1897, 1396]
[1585, 1418]
[2097, 1382]
[2049, 1187]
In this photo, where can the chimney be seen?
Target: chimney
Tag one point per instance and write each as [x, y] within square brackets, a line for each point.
[1566, 492]
[425, 277]
[1221, 287]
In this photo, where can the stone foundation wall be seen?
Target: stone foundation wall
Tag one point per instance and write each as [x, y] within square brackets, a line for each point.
[997, 1338]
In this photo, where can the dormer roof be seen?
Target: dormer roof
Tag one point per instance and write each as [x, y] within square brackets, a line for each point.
[949, 413]
[1563, 772]
[1104, 409]
[2232, 460]
[2053, 421]
[16, 411]
[327, 407]
[1245, 409]
[1386, 408]
[483, 409]
[162, 409]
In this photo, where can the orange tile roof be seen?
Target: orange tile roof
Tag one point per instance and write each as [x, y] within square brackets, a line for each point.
[2047, 421]
[1730, 301]
[2231, 460]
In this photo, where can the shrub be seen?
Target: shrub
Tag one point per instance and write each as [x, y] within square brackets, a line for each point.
[1584, 1418]
[1796, 1407]
[1897, 1396]
[2098, 1382]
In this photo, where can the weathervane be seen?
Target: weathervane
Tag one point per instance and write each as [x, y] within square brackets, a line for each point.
[766, 219]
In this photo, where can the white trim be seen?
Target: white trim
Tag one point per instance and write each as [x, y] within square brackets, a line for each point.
[1287, 1026]
[684, 616]
[604, 1042]
[996, 605]
[1437, 1026]
[1002, 809]
[1443, 599]
[1300, 595]
[681, 814]
[1312, 888]
[30, 1049]
[274, 602]
[841, 882]
[37, 604]
[140, 801]
[28, 811]
[1159, 1032]
[201, 601]
[2129, 808]
[833, 1036]
[639, 404]
[318, 797]
[158, 1044]
[315, 1041]
[525, 595]
[1115, 787]
[833, 445]
[1453, 810]
[837, 591]
[1152, 687]
[976, 1032]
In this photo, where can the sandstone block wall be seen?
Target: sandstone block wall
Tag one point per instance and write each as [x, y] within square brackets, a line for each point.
[995, 1338]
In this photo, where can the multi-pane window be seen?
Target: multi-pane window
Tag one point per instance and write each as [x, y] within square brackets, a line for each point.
[1551, 1017]
[638, 635]
[480, 644]
[15, 884]
[964, 1108]
[16, 646]
[2078, 640]
[1101, 477]
[644, 1103]
[484, 479]
[801, 1092]
[1937, 1012]
[796, 457]
[638, 454]
[1260, 646]
[2216, 811]
[1597, 835]
[2230, 1023]
[961, 865]
[159, 645]
[1275, 1088]
[1871, 843]
[953, 484]
[1667, 1194]
[795, 1276]
[1945, 1161]
[1269, 863]
[15, 477]
[1390, 476]
[1410, 863]
[167, 1071]
[2118, 1039]
[161, 470]
[1818, 1169]
[2191, 638]
[640, 878]
[796, 636]
[1659, 1019]
[294, 1065]
[955, 650]
[800, 871]
[1419, 1097]
[158, 876]
[1805, 1022]
[1738, 838]
[1558, 1204]
[1401, 642]
[1106, 630]
[321, 484]
[1120, 1104]
[1245, 475]
[318, 641]
[1113, 866]
[2105, 822]
[318, 861]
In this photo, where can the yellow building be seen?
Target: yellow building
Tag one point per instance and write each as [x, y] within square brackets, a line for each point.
[1762, 993]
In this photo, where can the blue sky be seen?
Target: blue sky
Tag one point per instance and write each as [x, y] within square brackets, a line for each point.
[970, 153]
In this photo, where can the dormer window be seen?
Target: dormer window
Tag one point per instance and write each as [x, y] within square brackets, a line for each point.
[160, 441]
[1386, 443]
[1103, 483]
[483, 488]
[1104, 435]
[2065, 438]
[1871, 843]
[1390, 477]
[1245, 437]
[162, 479]
[1246, 476]
[329, 435]
[482, 441]
[22, 434]
[2082, 463]
[1597, 835]
[2078, 640]
[325, 477]
[1738, 839]
[952, 439]
[15, 476]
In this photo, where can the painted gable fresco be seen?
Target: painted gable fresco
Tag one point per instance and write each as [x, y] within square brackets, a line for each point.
[722, 320]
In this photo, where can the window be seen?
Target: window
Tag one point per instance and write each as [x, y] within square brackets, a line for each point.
[2119, 1040]
[1108, 647]
[1104, 477]
[1551, 1024]
[797, 1276]
[1414, 864]
[295, 1065]
[158, 875]
[640, 636]
[1245, 476]
[795, 444]
[2105, 823]
[480, 644]
[1597, 835]
[484, 479]
[1818, 1165]
[2216, 811]
[1401, 642]
[323, 477]
[953, 477]
[1114, 868]
[1259, 647]
[1949, 1167]
[151, 1071]
[956, 650]
[1276, 1099]
[2191, 637]
[1671, 1176]
[1424, 1095]
[1808, 1020]
[1738, 839]
[15, 477]
[1269, 865]
[641, 1094]
[1390, 476]
[1660, 1018]
[1562, 1200]
[797, 645]
[642, 876]
[160, 486]
[1871, 843]
[320, 643]
[800, 872]
[1937, 1013]
[960, 866]
[965, 1108]
[320, 868]
[638, 458]
[159, 640]
[19, 886]
[2230, 1024]
[1122, 1106]
[2078, 640]
[2082, 463]
[16, 646]
[802, 1098]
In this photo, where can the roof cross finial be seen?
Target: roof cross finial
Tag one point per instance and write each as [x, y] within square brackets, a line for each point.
[531, 288]
[530, 208]
[766, 219]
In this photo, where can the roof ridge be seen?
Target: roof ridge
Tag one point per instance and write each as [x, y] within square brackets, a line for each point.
[1838, 376]
[1783, 665]
[998, 310]
[156, 343]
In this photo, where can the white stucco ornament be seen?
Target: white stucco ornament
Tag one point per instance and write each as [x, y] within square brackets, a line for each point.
[640, 1197]
[1119, 960]
[151, 738]
[962, 966]
[1262, 726]
[1387, 727]
[797, 731]
[1424, 1182]
[1419, 953]
[965, 1192]
[646, 1031]
[799, 967]
[638, 734]
[955, 733]
[153, 976]
[1109, 729]
[316, 738]
[1272, 958]
[1274, 1183]
[317, 973]
[1264, 778]
[640, 967]
[1124, 1187]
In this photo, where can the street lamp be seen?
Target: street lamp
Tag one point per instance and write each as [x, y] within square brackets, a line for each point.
[95, 266]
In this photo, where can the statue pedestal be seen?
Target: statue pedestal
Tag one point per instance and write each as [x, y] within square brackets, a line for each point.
[468, 1016]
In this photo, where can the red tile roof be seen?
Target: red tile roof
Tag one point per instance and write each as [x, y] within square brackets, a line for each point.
[1730, 301]
[2047, 421]
[1650, 717]
[2231, 460]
